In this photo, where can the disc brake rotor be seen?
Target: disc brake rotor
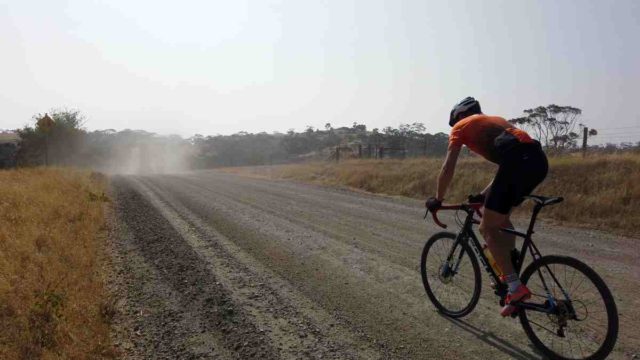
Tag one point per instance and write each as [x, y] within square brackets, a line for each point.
[564, 312]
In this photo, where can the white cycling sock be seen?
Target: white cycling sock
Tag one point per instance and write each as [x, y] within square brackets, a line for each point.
[513, 281]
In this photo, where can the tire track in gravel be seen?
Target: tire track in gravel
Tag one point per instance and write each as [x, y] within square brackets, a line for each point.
[300, 328]
[207, 304]
[199, 315]
[322, 272]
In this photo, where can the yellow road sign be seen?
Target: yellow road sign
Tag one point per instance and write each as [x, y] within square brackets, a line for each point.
[46, 123]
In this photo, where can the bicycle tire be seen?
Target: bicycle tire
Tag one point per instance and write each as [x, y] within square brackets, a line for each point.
[611, 310]
[425, 277]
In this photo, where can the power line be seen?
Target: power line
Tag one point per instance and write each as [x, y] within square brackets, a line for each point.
[614, 135]
[618, 130]
[622, 127]
[617, 134]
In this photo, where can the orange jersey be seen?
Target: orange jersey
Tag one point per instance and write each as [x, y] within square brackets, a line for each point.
[479, 131]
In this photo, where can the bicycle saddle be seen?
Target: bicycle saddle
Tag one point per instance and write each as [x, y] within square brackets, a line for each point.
[543, 200]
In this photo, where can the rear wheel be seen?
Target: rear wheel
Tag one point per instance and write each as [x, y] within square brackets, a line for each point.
[450, 278]
[585, 322]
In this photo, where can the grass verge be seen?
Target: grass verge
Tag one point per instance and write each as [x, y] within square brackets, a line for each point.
[52, 297]
[601, 192]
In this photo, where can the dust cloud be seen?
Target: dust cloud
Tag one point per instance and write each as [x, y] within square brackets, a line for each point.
[135, 152]
[146, 154]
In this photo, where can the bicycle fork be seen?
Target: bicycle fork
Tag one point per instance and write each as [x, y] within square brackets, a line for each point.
[450, 268]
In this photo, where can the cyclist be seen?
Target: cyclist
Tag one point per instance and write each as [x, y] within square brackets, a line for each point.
[522, 166]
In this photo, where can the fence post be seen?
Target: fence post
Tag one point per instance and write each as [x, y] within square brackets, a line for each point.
[584, 141]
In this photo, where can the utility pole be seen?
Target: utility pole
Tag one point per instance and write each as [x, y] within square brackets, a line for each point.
[584, 141]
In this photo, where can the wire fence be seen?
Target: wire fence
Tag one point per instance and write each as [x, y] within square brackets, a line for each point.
[617, 135]
[367, 151]
[606, 139]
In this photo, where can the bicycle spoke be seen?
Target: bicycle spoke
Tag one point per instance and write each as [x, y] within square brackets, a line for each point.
[581, 336]
[542, 327]
[578, 286]
[454, 290]
[580, 340]
[580, 347]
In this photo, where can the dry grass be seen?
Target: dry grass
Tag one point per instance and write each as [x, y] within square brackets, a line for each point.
[601, 191]
[52, 298]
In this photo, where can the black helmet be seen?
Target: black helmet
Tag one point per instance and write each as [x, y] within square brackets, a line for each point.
[464, 108]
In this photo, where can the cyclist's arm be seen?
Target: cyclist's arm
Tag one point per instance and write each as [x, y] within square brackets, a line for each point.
[448, 168]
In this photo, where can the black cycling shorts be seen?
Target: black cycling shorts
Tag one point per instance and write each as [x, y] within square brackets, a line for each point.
[521, 169]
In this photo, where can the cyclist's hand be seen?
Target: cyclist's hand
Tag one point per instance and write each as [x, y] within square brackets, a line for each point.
[477, 198]
[433, 204]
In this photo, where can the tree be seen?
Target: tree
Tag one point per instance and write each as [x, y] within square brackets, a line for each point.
[60, 141]
[553, 125]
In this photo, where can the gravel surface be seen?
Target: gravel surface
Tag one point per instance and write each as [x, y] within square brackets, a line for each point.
[212, 265]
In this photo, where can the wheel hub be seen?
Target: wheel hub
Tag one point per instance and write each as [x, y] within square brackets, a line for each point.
[445, 274]
[563, 312]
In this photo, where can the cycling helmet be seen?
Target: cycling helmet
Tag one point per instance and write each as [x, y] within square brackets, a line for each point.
[464, 108]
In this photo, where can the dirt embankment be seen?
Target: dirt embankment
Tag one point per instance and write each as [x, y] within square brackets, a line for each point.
[211, 265]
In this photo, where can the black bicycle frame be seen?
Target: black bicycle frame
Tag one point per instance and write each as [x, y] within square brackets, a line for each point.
[501, 290]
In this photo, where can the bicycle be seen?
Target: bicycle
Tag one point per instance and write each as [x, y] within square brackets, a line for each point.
[555, 314]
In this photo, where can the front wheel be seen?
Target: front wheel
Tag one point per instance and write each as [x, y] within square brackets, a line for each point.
[582, 321]
[450, 275]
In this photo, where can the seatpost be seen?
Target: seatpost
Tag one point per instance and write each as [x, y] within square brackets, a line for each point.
[536, 210]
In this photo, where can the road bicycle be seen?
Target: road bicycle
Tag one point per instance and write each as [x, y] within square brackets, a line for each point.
[571, 313]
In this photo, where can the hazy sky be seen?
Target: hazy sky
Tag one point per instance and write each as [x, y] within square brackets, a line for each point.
[224, 66]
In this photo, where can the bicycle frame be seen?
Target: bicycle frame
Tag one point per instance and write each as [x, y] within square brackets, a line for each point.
[467, 233]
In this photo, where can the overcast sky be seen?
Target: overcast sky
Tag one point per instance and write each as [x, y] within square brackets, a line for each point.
[213, 67]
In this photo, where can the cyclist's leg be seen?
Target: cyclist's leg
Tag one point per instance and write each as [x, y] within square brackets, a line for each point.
[519, 173]
[503, 196]
[500, 244]
[497, 211]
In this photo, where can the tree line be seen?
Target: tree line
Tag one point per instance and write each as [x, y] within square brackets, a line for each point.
[65, 141]
[312, 144]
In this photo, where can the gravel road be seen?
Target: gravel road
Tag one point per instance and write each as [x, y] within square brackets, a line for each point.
[212, 265]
